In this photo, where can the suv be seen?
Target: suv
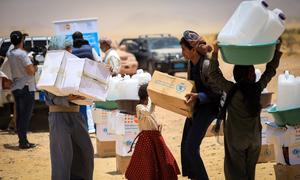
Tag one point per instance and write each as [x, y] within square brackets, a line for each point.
[157, 52]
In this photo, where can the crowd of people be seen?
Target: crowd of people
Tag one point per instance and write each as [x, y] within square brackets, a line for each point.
[71, 149]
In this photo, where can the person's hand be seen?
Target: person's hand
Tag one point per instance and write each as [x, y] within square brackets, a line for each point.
[191, 98]
[278, 45]
[72, 97]
[216, 47]
[109, 67]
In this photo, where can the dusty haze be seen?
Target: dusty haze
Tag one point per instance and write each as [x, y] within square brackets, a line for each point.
[128, 18]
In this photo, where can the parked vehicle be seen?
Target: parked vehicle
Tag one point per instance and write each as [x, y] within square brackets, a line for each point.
[36, 45]
[157, 52]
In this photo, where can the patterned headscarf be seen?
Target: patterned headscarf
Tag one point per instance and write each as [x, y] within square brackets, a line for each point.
[196, 41]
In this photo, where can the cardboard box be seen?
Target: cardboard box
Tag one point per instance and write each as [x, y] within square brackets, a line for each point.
[169, 92]
[78, 82]
[91, 89]
[112, 121]
[283, 137]
[267, 153]
[277, 136]
[122, 163]
[101, 116]
[285, 172]
[126, 124]
[293, 134]
[123, 144]
[64, 74]
[54, 66]
[106, 148]
[102, 133]
[294, 154]
[97, 71]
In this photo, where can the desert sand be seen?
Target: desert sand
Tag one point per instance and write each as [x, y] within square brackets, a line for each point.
[35, 163]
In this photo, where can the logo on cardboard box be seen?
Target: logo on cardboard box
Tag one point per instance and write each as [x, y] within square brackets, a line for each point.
[266, 152]
[105, 130]
[296, 152]
[180, 87]
[128, 143]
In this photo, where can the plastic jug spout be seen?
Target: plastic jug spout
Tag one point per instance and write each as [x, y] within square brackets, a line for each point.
[264, 3]
[280, 14]
[139, 71]
[126, 77]
[286, 74]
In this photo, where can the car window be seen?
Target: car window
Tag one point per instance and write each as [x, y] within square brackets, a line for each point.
[131, 45]
[40, 43]
[27, 45]
[4, 48]
[160, 43]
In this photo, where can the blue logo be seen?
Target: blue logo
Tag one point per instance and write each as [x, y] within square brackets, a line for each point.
[128, 143]
[105, 130]
[180, 87]
[296, 152]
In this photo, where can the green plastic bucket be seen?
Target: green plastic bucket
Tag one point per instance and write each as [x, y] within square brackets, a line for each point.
[107, 105]
[247, 54]
[287, 117]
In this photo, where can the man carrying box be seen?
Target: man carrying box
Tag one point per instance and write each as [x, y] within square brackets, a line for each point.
[206, 99]
[71, 150]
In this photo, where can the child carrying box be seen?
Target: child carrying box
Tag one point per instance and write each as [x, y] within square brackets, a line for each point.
[151, 158]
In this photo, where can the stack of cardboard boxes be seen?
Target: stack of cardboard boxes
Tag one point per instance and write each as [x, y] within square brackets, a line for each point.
[126, 131]
[286, 142]
[105, 141]
[64, 74]
[115, 136]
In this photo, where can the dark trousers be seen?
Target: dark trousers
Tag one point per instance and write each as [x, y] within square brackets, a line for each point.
[71, 149]
[241, 157]
[83, 111]
[193, 133]
[24, 100]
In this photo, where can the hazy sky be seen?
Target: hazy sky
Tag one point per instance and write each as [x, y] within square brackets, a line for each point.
[127, 18]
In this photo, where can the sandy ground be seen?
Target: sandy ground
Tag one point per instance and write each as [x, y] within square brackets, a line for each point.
[35, 163]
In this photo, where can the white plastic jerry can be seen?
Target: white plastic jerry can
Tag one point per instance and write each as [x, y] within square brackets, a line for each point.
[113, 91]
[246, 22]
[286, 98]
[142, 77]
[128, 88]
[273, 28]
